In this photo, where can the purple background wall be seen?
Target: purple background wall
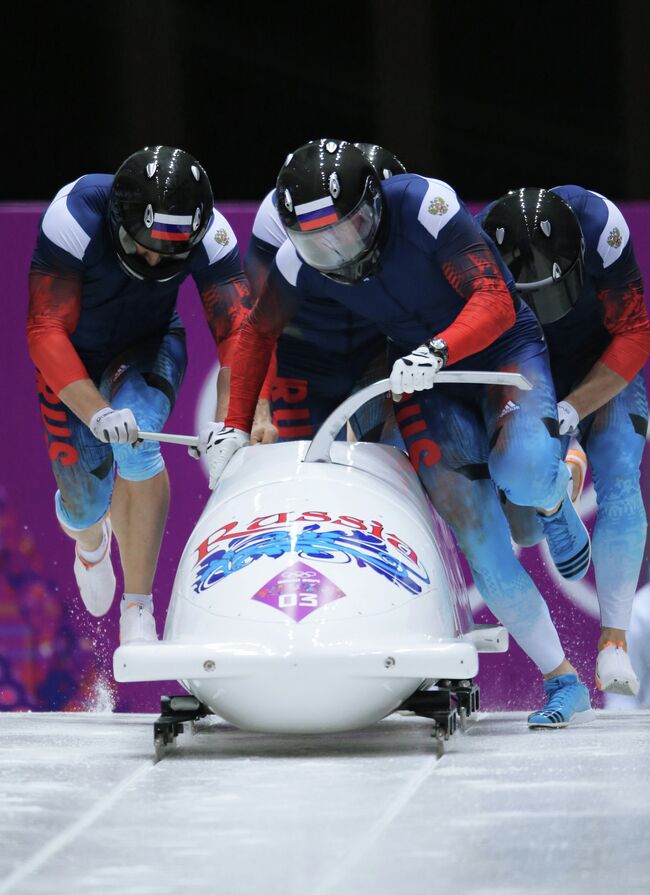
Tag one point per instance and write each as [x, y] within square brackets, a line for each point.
[53, 655]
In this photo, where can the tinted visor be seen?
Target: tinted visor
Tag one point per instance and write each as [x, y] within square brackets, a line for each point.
[529, 265]
[343, 242]
[136, 265]
[552, 302]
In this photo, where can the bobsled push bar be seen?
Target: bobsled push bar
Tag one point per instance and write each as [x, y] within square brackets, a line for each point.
[320, 446]
[319, 450]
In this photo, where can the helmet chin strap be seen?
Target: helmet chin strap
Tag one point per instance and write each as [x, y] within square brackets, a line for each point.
[128, 270]
[555, 277]
[538, 284]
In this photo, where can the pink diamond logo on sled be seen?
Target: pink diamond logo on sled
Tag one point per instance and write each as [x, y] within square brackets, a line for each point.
[298, 591]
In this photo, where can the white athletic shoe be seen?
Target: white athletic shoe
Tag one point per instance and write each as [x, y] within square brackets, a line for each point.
[137, 624]
[614, 672]
[96, 581]
[576, 460]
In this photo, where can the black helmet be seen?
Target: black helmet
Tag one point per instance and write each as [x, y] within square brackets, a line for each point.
[539, 238]
[382, 160]
[161, 198]
[330, 203]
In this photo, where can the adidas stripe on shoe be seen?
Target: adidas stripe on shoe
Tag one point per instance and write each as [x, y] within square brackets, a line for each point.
[568, 541]
[567, 703]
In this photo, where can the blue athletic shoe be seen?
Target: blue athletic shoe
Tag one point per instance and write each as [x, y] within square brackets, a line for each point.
[568, 541]
[567, 703]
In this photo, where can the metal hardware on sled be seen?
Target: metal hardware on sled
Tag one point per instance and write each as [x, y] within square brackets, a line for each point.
[439, 705]
[175, 712]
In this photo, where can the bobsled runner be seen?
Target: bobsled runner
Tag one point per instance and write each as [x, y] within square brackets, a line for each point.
[318, 592]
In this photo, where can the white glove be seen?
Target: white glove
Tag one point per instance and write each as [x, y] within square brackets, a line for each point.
[568, 418]
[415, 372]
[217, 444]
[114, 426]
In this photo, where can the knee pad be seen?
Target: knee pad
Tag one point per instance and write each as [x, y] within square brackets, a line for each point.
[150, 405]
[531, 471]
[136, 464]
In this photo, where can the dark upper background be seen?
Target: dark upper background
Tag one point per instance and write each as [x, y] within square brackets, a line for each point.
[487, 97]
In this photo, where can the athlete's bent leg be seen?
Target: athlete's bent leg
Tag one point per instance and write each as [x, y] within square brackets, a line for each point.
[614, 439]
[526, 462]
[83, 469]
[446, 443]
[145, 381]
[139, 515]
[467, 500]
[473, 512]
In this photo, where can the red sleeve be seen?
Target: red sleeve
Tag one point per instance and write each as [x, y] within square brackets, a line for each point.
[54, 308]
[257, 338]
[271, 376]
[625, 317]
[225, 306]
[489, 310]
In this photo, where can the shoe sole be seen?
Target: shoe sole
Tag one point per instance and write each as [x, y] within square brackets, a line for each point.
[621, 686]
[577, 718]
[578, 459]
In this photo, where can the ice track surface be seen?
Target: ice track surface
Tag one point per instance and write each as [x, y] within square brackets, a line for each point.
[505, 810]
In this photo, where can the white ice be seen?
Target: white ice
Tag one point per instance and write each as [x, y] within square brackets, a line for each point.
[83, 809]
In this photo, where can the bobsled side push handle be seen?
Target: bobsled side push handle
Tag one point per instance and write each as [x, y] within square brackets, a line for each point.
[319, 450]
[169, 438]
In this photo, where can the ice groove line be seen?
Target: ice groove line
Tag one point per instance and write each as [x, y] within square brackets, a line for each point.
[333, 879]
[70, 833]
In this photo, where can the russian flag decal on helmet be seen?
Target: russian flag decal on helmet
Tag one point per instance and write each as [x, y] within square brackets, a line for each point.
[318, 213]
[172, 227]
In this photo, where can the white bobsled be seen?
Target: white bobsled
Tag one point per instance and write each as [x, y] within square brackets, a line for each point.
[317, 592]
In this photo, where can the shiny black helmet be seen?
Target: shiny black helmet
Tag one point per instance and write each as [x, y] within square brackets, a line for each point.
[161, 198]
[385, 163]
[540, 239]
[331, 205]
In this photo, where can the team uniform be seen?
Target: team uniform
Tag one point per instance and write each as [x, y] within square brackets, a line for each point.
[609, 324]
[88, 319]
[439, 276]
[325, 353]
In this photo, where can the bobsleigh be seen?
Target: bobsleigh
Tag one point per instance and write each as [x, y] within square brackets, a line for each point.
[318, 592]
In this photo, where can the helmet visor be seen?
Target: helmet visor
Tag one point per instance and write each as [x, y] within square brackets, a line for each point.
[554, 301]
[342, 242]
[168, 266]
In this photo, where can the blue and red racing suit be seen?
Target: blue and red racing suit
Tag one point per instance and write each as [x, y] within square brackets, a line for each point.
[325, 353]
[608, 325]
[440, 276]
[88, 319]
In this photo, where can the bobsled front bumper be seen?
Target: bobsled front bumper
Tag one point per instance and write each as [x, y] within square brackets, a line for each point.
[453, 659]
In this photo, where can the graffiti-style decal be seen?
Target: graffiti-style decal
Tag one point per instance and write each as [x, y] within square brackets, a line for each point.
[316, 544]
[298, 591]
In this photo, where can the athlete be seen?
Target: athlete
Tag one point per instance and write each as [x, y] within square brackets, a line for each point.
[570, 251]
[407, 255]
[326, 351]
[109, 350]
